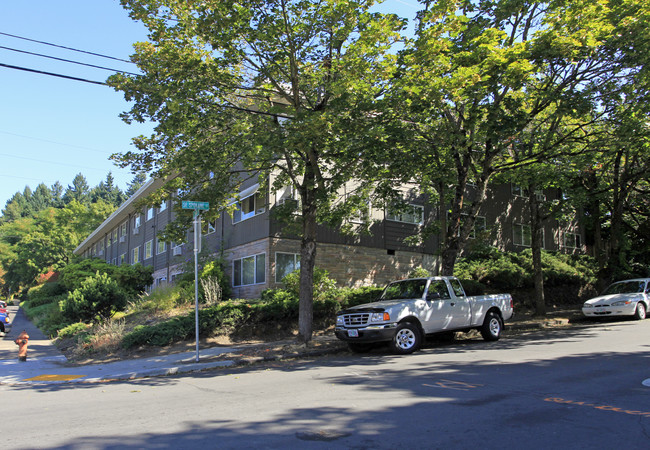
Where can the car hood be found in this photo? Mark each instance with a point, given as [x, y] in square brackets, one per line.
[608, 299]
[377, 306]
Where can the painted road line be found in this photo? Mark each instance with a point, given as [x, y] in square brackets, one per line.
[54, 378]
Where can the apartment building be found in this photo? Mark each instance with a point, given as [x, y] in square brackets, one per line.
[259, 251]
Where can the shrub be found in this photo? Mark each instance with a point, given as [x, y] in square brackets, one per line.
[97, 298]
[322, 283]
[45, 292]
[419, 272]
[72, 330]
[162, 298]
[132, 279]
[215, 270]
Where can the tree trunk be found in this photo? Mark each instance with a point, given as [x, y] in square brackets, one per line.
[537, 243]
[307, 259]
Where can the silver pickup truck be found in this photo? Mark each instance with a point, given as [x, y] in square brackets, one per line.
[410, 309]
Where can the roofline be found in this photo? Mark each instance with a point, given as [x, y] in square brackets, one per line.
[115, 218]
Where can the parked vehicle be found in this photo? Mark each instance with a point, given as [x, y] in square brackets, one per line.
[410, 309]
[5, 325]
[623, 298]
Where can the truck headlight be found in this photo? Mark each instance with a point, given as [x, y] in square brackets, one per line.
[380, 317]
[339, 320]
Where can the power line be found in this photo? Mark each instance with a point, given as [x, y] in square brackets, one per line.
[66, 48]
[68, 77]
[65, 60]
[55, 142]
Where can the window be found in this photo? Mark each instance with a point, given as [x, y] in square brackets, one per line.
[123, 229]
[249, 270]
[518, 191]
[163, 206]
[161, 247]
[122, 258]
[410, 214]
[150, 213]
[148, 249]
[288, 194]
[249, 207]
[114, 261]
[137, 220]
[457, 287]
[480, 225]
[209, 227]
[109, 241]
[522, 235]
[135, 255]
[115, 235]
[572, 240]
[285, 263]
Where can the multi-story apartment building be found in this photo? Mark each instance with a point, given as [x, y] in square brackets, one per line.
[259, 252]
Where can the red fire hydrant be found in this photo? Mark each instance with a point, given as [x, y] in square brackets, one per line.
[22, 341]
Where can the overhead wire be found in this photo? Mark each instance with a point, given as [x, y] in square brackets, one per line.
[66, 48]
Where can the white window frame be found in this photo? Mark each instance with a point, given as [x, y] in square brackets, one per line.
[259, 207]
[521, 227]
[135, 255]
[472, 233]
[518, 191]
[577, 240]
[255, 259]
[123, 228]
[161, 246]
[151, 213]
[163, 206]
[148, 250]
[402, 216]
[296, 264]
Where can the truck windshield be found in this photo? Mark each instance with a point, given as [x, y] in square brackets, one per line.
[404, 290]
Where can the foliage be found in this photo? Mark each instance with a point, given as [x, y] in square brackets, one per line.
[45, 292]
[96, 299]
[162, 298]
[72, 330]
[322, 283]
[419, 272]
[508, 271]
[133, 279]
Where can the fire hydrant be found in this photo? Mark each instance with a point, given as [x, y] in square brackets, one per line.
[22, 341]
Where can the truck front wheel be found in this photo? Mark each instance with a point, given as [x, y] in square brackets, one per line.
[492, 327]
[407, 339]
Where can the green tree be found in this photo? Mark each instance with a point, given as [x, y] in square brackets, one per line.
[107, 191]
[253, 88]
[78, 191]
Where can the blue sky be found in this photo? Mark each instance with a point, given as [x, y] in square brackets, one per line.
[52, 128]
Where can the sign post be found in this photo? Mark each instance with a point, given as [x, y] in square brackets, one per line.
[197, 207]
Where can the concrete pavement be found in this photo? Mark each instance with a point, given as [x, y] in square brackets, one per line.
[47, 365]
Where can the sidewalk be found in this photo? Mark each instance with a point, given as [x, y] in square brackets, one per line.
[47, 365]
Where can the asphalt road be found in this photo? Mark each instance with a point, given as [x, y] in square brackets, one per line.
[579, 387]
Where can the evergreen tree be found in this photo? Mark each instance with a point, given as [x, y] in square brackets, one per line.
[79, 191]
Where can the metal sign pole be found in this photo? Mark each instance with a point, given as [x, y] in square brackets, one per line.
[197, 231]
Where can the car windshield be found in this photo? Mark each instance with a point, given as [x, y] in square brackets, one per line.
[625, 287]
[404, 290]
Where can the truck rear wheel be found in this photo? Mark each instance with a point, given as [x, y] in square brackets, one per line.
[407, 339]
[492, 327]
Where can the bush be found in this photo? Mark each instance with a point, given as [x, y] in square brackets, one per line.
[508, 271]
[72, 330]
[132, 279]
[162, 298]
[322, 283]
[97, 298]
[45, 292]
[419, 272]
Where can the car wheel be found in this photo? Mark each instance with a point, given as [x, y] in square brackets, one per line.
[492, 327]
[407, 338]
[639, 312]
[357, 347]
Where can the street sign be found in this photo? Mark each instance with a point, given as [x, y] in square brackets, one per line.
[202, 206]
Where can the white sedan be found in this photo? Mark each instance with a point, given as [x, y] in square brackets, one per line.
[624, 298]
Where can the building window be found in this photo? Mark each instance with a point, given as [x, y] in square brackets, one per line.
[522, 235]
[135, 255]
[148, 249]
[572, 240]
[410, 214]
[137, 220]
[480, 225]
[150, 213]
[122, 258]
[163, 206]
[518, 191]
[285, 263]
[123, 229]
[161, 247]
[209, 227]
[249, 207]
[249, 270]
